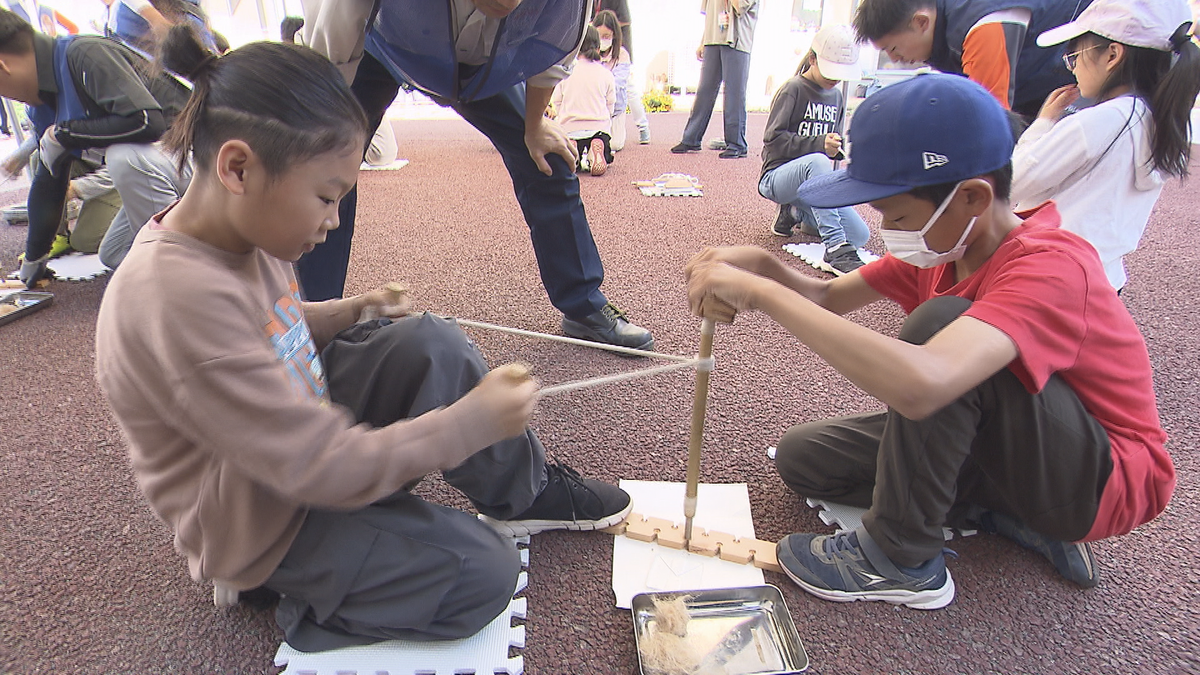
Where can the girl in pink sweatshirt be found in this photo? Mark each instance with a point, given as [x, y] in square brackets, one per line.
[584, 105]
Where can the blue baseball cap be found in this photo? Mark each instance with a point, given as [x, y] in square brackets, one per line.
[931, 129]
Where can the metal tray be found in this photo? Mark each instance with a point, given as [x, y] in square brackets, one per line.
[736, 631]
[27, 302]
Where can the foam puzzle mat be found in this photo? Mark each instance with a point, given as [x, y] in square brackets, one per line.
[485, 653]
[671, 185]
[814, 254]
[397, 164]
[75, 267]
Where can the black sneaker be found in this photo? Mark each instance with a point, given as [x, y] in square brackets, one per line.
[844, 259]
[836, 567]
[730, 153]
[784, 222]
[568, 502]
[609, 326]
[1073, 560]
[685, 148]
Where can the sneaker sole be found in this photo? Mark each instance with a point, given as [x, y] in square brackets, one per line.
[523, 528]
[777, 233]
[934, 598]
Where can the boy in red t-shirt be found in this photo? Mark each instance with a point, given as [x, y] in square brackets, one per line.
[1019, 392]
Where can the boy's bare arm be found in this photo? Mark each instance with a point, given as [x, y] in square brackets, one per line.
[841, 295]
[915, 380]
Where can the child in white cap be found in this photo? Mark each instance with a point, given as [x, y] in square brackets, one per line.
[802, 140]
[1105, 166]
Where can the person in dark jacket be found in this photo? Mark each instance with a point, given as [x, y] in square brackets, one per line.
[990, 41]
[93, 96]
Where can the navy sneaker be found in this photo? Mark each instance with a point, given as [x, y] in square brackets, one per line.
[568, 502]
[843, 258]
[1073, 560]
[835, 567]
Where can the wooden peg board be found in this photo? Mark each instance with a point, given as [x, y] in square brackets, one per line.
[704, 542]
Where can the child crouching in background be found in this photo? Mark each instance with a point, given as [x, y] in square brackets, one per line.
[584, 105]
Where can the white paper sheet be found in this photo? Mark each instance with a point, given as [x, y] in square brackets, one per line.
[639, 566]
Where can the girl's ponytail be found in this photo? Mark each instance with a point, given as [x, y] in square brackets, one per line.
[287, 102]
[1171, 105]
[181, 52]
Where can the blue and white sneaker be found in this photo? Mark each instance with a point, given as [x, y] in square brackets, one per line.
[1073, 560]
[837, 567]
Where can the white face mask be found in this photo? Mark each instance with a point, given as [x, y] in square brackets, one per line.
[605, 45]
[910, 247]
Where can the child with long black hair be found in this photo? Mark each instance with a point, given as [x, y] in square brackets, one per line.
[1105, 166]
[276, 437]
[801, 142]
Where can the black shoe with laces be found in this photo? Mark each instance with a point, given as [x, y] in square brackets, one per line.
[608, 325]
[784, 222]
[568, 502]
[730, 153]
[844, 259]
[685, 148]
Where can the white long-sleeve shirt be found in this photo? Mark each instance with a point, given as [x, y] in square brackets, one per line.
[1104, 189]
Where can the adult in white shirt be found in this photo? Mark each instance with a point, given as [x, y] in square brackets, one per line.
[1105, 166]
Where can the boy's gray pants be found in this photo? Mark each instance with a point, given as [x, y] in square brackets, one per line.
[1041, 458]
[148, 181]
[403, 568]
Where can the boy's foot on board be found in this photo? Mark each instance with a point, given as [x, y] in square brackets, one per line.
[835, 567]
[568, 502]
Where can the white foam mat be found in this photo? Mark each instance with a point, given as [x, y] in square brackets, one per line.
[397, 164]
[814, 254]
[846, 518]
[75, 267]
[485, 653]
[78, 267]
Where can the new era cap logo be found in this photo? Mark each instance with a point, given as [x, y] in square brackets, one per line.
[932, 159]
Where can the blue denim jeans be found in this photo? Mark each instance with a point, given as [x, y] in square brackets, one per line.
[836, 226]
[567, 257]
[721, 64]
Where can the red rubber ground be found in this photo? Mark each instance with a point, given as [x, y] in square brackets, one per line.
[89, 582]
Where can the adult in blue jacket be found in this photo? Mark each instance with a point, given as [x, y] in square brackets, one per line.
[495, 62]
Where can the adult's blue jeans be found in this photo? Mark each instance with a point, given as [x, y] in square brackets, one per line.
[721, 64]
[836, 226]
[567, 257]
